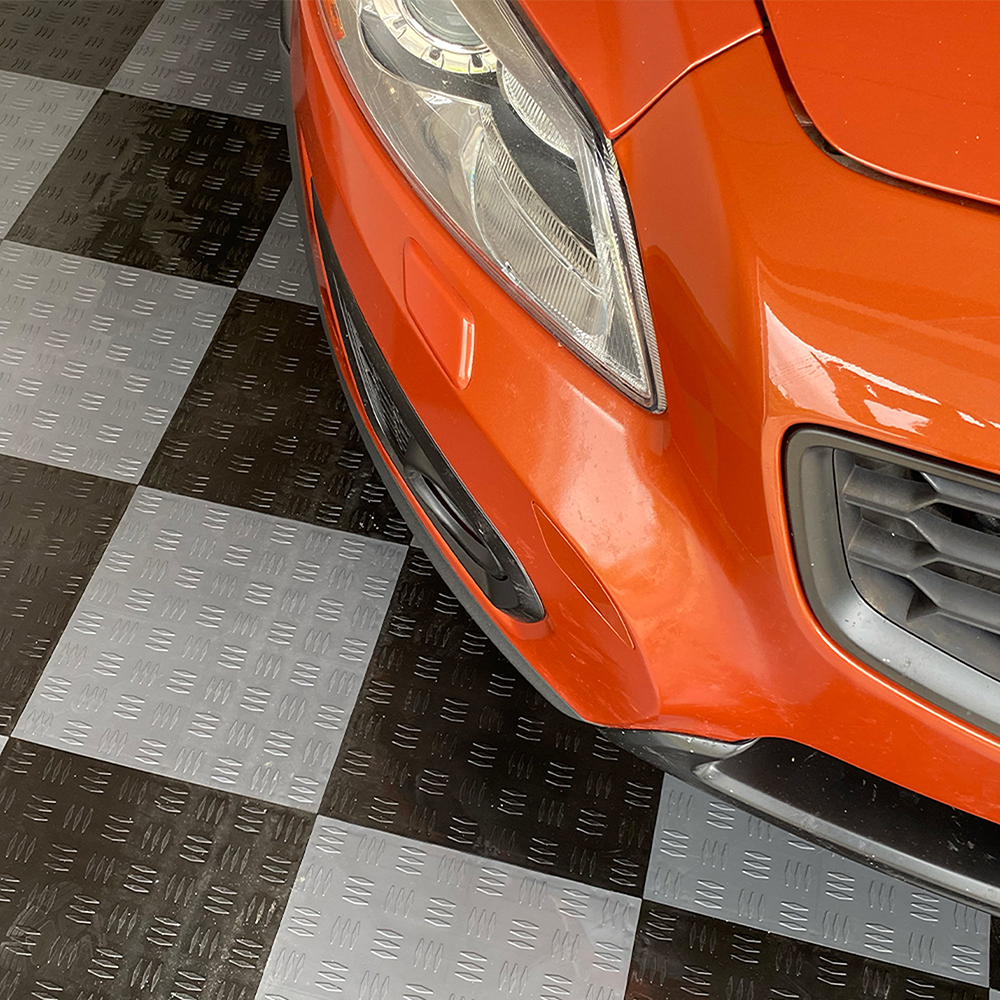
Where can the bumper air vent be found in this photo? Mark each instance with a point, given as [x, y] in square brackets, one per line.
[924, 550]
[899, 555]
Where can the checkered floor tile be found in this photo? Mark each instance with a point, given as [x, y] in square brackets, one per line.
[250, 746]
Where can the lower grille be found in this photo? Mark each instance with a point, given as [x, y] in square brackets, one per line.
[899, 555]
[924, 550]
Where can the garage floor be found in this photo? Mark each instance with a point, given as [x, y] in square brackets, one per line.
[252, 746]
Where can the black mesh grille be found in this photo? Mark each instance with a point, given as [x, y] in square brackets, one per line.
[923, 549]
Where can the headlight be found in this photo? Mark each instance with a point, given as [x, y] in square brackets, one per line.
[492, 140]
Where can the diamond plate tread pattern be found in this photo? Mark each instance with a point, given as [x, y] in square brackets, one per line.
[77, 41]
[281, 266]
[374, 915]
[712, 858]
[679, 954]
[38, 118]
[117, 885]
[217, 646]
[222, 56]
[449, 745]
[171, 189]
[54, 526]
[266, 426]
[95, 357]
[191, 668]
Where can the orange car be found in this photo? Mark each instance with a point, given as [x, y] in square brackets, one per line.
[675, 329]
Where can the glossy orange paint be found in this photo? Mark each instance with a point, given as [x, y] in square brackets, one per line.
[439, 314]
[623, 54]
[785, 289]
[910, 87]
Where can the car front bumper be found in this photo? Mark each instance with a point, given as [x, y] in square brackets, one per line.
[658, 544]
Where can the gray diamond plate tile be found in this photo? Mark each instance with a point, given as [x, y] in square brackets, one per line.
[217, 645]
[713, 858]
[37, 119]
[95, 357]
[222, 56]
[375, 915]
[281, 267]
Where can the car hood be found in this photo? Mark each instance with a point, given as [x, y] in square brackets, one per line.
[910, 88]
[624, 54]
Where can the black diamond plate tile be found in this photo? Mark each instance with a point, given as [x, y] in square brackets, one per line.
[679, 954]
[448, 744]
[153, 185]
[117, 885]
[79, 41]
[265, 425]
[54, 526]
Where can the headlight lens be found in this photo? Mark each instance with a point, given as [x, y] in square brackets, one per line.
[496, 145]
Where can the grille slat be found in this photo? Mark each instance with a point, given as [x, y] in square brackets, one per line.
[959, 601]
[877, 491]
[880, 549]
[923, 549]
[961, 545]
[971, 498]
[876, 548]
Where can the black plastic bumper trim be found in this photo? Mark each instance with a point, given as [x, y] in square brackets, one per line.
[865, 816]
[842, 807]
[285, 24]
